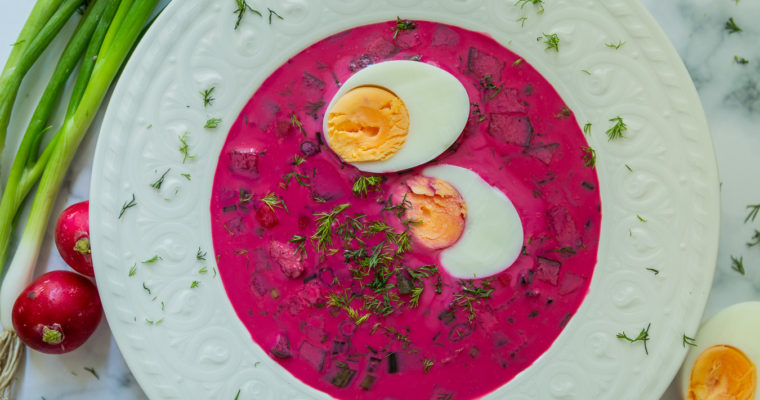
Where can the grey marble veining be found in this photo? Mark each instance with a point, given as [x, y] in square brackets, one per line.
[730, 94]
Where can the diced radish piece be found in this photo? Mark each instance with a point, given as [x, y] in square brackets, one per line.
[244, 163]
[267, 217]
[543, 152]
[281, 348]
[286, 256]
[482, 64]
[510, 129]
[311, 86]
[312, 354]
[548, 270]
[570, 283]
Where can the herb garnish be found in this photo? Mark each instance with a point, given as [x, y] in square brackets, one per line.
[92, 371]
[364, 183]
[642, 219]
[642, 337]
[242, 7]
[208, 99]
[517, 62]
[271, 13]
[400, 208]
[628, 167]
[755, 239]
[212, 123]
[551, 41]
[740, 60]
[295, 122]
[273, 202]
[194, 284]
[323, 234]
[147, 289]
[654, 271]
[487, 85]
[403, 25]
[133, 270]
[127, 205]
[301, 247]
[587, 128]
[428, 364]
[312, 108]
[160, 181]
[753, 210]
[471, 293]
[200, 255]
[153, 259]
[563, 113]
[731, 26]
[187, 176]
[615, 46]
[688, 341]
[737, 264]
[589, 156]
[184, 149]
[617, 130]
[538, 3]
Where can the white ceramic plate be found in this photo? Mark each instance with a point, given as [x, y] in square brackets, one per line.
[187, 343]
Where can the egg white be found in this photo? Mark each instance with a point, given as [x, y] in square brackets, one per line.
[437, 103]
[737, 326]
[493, 233]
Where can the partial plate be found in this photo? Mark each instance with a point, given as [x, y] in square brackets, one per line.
[187, 343]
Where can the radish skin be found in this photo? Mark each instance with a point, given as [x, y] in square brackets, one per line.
[72, 237]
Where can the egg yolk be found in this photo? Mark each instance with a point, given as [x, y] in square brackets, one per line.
[722, 372]
[367, 124]
[439, 210]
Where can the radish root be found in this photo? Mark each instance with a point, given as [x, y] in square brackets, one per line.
[11, 352]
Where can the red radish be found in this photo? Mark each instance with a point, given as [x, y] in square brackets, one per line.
[57, 312]
[72, 237]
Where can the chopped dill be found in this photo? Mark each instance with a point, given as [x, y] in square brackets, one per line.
[200, 255]
[654, 271]
[208, 98]
[642, 219]
[538, 3]
[688, 341]
[160, 181]
[642, 337]
[212, 123]
[152, 259]
[428, 364]
[127, 205]
[731, 26]
[273, 202]
[363, 184]
[617, 130]
[242, 7]
[753, 210]
[755, 239]
[323, 235]
[551, 41]
[403, 25]
[587, 128]
[194, 285]
[615, 46]
[133, 270]
[273, 13]
[741, 60]
[296, 123]
[589, 156]
[184, 149]
[487, 85]
[300, 242]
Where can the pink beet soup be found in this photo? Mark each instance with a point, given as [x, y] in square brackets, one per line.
[330, 282]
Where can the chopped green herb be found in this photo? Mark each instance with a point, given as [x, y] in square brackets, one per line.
[538, 3]
[152, 259]
[133, 270]
[237, 395]
[551, 41]
[688, 341]
[301, 245]
[615, 46]
[587, 128]
[642, 337]
[522, 20]
[208, 98]
[160, 181]
[403, 25]
[400, 208]
[194, 284]
[200, 255]
[589, 156]
[127, 205]
[242, 7]
[428, 364]
[753, 210]
[212, 123]
[737, 264]
[147, 289]
[617, 130]
[187, 176]
[298, 160]
[273, 13]
[323, 234]
[184, 149]
[92, 371]
[312, 108]
[295, 122]
[203, 270]
[740, 60]
[654, 271]
[414, 300]
[518, 62]
[363, 184]
[273, 202]
[585, 71]
[641, 218]
[487, 85]
[755, 239]
[628, 167]
[731, 26]
[563, 113]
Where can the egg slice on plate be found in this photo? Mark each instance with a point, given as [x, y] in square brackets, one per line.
[723, 364]
[396, 115]
[474, 223]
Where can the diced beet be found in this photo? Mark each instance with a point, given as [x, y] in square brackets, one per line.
[482, 64]
[367, 382]
[283, 128]
[260, 284]
[312, 86]
[548, 270]
[327, 183]
[309, 148]
[543, 152]
[507, 100]
[312, 354]
[285, 255]
[360, 62]
[570, 283]
[267, 217]
[565, 231]
[281, 348]
[443, 36]
[294, 305]
[392, 363]
[244, 163]
[314, 327]
[510, 129]
[236, 226]
[380, 48]
[310, 293]
[459, 332]
[404, 282]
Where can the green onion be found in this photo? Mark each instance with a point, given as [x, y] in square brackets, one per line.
[106, 35]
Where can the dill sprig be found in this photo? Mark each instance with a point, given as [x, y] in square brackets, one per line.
[587, 128]
[755, 239]
[323, 235]
[487, 85]
[642, 337]
[127, 205]
[551, 41]
[160, 181]
[295, 122]
[398, 209]
[242, 7]
[184, 148]
[731, 26]
[741, 60]
[273, 202]
[414, 300]
[589, 156]
[403, 25]
[753, 210]
[212, 123]
[617, 130]
[300, 242]
[273, 13]
[615, 46]
[428, 363]
[538, 3]
[688, 341]
[363, 184]
[200, 255]
[208, 98]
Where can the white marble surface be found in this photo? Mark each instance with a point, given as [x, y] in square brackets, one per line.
[730, 94]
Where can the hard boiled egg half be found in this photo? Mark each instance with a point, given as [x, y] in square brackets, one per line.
[474, 224]
[723, 363]
[396, 115]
